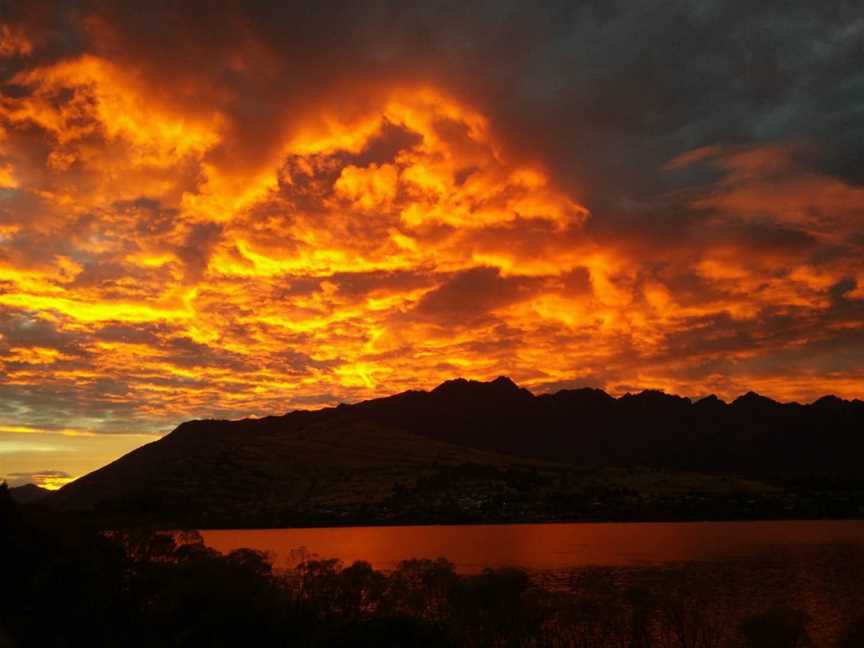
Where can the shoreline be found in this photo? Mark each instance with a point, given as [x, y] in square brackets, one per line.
[533, 523]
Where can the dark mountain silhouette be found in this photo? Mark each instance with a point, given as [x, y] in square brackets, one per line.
[306, 467]
[380, 459]
[753, 435]
[28, 493]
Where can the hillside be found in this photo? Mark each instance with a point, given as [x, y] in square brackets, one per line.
[491, 452]
[306, 467]
[28, 493]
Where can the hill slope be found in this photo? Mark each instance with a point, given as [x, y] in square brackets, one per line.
[307, 467]
[487, 452]
[28, 493]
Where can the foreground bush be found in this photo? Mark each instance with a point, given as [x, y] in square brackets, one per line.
[71, 587]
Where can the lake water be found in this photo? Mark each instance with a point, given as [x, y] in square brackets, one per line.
[543, 547]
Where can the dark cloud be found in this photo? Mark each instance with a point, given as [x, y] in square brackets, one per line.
[383, 148]
[605, 94]
[197, 247]
[363, 283]
[473, 294]
[40, 477]
[20, 330]
[576, 281]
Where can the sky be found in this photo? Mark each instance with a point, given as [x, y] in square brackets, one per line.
[225, 209]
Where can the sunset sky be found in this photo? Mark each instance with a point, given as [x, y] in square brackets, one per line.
[226, 209]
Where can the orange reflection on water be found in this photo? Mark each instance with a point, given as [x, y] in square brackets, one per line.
[541, 546]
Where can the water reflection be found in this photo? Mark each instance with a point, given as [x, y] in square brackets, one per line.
[705, 585]
[542, 547]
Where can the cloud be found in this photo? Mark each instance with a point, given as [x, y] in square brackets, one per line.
[50, 479]
[222, 210]
[474, 294]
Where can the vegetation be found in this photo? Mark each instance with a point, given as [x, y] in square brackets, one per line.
[72, 587]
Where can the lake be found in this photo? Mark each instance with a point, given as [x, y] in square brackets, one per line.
[543, 547]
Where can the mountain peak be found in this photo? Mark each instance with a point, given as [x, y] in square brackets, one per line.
[500, 384]
[504, 381]
[752, 399]
[830, 400]
[752, 396]
[28, 493]
[654, 396]
[711, 399]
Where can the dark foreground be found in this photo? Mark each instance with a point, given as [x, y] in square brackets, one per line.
[74, 587]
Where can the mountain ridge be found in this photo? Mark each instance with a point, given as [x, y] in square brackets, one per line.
[448, 412]
[379, 460]
[455, 384]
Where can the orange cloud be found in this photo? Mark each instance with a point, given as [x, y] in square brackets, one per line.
[14, 42]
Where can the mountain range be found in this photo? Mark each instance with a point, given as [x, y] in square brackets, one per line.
[753, 435]
[490, 451]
